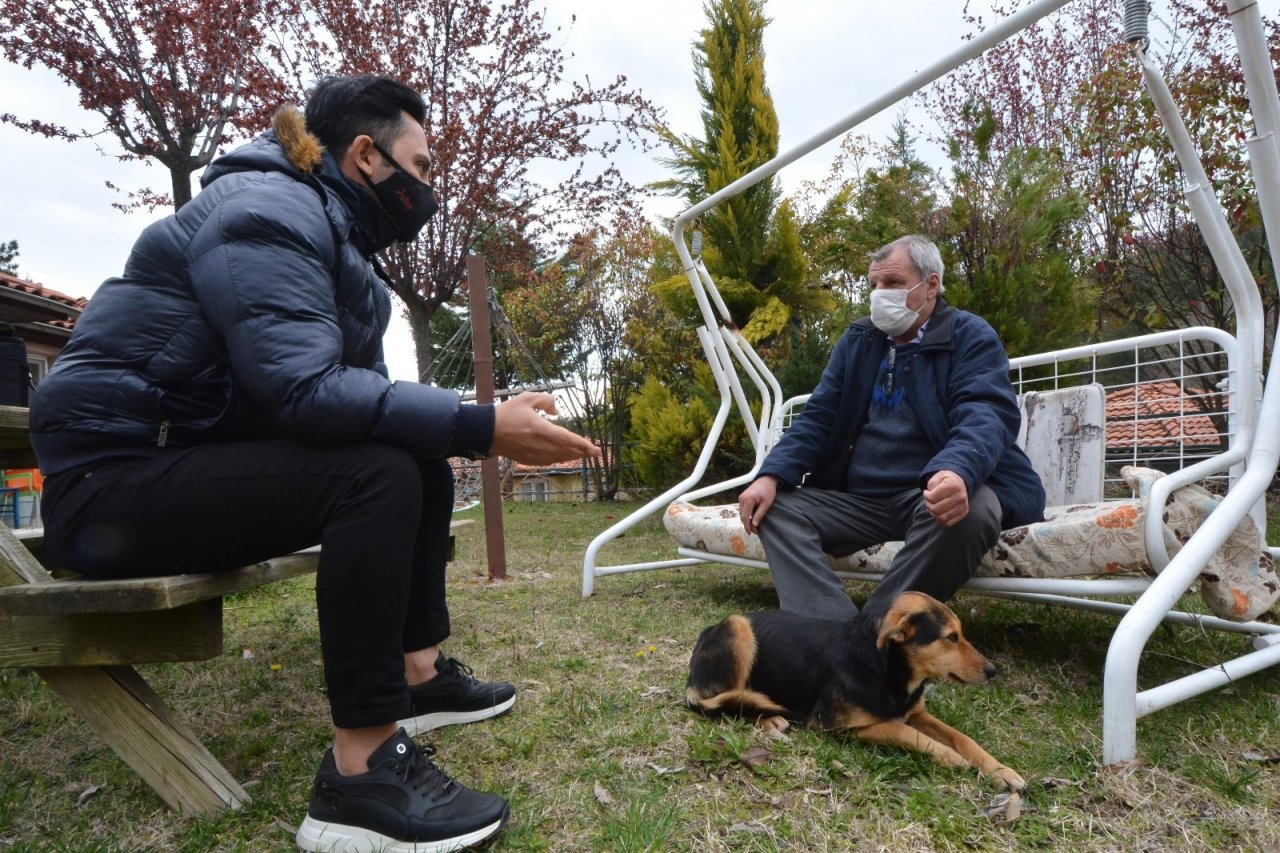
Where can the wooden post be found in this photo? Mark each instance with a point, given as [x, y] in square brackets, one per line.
[482, 351]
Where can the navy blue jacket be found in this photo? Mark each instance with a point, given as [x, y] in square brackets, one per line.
[958, 385]
[247, 314]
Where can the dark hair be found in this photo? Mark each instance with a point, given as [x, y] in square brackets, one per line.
[342, 108]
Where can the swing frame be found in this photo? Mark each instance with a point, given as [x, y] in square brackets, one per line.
[1248, 464]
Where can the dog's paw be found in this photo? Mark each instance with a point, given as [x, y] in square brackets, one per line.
[775, 725]
[1009, 780]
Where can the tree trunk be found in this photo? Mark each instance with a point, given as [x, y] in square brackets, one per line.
[181, 180]
[420, 313]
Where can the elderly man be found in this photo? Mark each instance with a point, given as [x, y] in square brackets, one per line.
[908, 436]
[224, 401]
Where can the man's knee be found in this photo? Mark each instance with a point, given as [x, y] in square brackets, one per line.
[982, 524]
[788, 509]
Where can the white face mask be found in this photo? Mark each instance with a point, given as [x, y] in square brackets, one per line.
[889, 311]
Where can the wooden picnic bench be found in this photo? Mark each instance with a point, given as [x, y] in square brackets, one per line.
[83, 637]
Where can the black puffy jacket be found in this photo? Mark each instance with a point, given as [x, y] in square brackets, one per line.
[247, 314]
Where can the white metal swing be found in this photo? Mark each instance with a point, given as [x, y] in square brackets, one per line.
[1184, 362]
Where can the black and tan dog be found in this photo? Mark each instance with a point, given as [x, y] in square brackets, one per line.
[866, 674]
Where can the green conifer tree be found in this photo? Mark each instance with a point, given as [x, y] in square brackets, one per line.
[751, 243]
[739, 133]
[9, 257]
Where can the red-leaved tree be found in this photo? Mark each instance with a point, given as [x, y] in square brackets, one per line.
[169, 79]
[1070, 88]
[519, 149]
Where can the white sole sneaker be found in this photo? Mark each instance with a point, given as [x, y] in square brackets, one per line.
[321, 837]
[417, 725]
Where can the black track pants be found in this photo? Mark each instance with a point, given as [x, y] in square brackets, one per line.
[380, 515]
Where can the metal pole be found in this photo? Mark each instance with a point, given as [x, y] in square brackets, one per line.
[482, 351]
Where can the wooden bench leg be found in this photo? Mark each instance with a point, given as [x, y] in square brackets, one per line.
[119, 705]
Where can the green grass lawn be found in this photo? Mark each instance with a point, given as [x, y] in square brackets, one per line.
[599, 753]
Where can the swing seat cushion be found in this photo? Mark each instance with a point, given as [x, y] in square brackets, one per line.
[1088, 539]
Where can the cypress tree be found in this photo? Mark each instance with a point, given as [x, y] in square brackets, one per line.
[739, 133]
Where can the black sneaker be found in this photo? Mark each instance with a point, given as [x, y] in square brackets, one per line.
[454, 696]
[403, 804]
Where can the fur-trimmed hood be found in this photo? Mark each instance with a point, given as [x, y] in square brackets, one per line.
[291, 149]
[287, 147]
[303, 150]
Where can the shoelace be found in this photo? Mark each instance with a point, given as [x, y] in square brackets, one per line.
[418, 771]
[463, 671]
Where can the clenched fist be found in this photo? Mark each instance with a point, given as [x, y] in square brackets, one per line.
[947, 498]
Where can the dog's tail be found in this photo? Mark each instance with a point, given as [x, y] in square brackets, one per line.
[743, 702]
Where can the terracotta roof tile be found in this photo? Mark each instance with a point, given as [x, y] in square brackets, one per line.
[14, 283]
[572, 466]
[1159, 414]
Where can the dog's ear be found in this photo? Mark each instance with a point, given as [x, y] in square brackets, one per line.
[897, 627]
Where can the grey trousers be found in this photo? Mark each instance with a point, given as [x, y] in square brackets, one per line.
[805, 525]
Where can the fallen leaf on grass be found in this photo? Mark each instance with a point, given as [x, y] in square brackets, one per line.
[287, 827]
[784, 802]
[756, 756]
[1032, 699]
[1121, 769]
[1052, 782]
[1258, 756]
[1005, 807]
[841, 769]
[662, 771]
[603, 797]
[86, 795]
[748, 826]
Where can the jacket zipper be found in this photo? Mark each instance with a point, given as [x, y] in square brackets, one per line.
[164, 434]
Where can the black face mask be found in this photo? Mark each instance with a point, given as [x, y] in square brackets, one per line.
[402, 206]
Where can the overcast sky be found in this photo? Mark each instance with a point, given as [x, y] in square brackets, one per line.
[823, 60]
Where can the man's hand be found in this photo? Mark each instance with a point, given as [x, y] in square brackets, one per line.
[947, 498]
[755, 501]
[520, 433]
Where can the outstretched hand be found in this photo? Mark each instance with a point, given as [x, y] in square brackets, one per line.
[521, 433]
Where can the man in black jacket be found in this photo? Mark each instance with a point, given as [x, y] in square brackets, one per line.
[224, 401]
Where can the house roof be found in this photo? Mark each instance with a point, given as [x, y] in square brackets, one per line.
[1159, 414]
[571, 466]
[27, 303]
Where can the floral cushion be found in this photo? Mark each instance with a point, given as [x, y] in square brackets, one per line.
[1101, 538]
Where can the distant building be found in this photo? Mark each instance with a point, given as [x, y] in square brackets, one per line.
[562, 481]
[42, 317]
